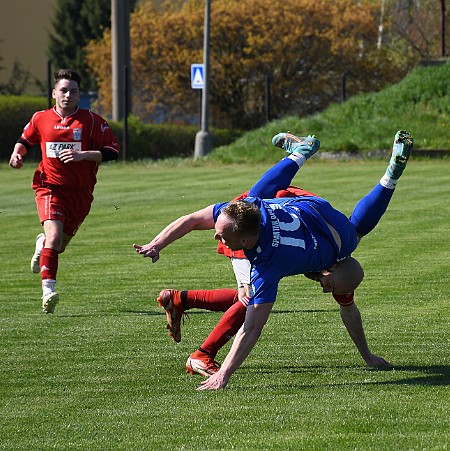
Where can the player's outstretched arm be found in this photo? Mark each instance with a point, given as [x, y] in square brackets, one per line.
[244, 342]
[198, 220]
[351, 317]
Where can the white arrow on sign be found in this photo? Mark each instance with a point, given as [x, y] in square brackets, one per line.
[197, 78]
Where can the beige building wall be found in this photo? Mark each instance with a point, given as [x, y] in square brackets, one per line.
[24, 30]
[25, 26]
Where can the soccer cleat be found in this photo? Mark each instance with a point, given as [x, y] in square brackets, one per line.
[49, 302]
[201, 363]
[304, 145]
[170, 300]
[37, 253]
[401, 150]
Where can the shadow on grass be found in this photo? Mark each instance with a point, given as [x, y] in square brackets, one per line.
[438, 375]
[427, 376]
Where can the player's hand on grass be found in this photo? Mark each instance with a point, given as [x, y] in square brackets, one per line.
[215, 382]
[378, 362]
[148, 250]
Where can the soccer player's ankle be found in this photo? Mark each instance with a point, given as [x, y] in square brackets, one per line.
[200, 352]
[298, 158]
[48, 286]
[388, 182]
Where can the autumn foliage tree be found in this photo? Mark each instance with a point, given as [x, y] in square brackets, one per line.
[303, 46]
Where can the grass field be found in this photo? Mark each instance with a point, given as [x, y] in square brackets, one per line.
[101, 373]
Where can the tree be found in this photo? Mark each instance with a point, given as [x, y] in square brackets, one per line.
[418, 22]
[76, 22]
[303, 45]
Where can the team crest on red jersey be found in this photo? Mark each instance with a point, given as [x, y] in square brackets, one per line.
[77, 134]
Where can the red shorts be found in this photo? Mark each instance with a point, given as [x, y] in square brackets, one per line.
[69, 207]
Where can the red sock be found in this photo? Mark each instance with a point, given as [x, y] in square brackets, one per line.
[226, 328]
[215, 300]
[49, 263]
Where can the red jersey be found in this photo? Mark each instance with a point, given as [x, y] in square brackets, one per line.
[291, 191]
[82, 130]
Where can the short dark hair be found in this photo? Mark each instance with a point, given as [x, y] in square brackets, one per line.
[67, 74]
[246, 217]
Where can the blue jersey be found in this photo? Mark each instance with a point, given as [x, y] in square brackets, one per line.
[294, 239]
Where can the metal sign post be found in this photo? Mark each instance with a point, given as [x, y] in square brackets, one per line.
[203, 137]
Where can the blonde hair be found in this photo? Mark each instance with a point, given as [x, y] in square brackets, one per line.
[245, 217]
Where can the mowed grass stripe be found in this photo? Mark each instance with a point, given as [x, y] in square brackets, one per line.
[102, 372]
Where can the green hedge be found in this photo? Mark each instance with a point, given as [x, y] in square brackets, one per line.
[144, 141]
[158, 142]
[15, 112]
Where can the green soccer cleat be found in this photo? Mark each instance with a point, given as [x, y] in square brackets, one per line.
[303, 145]
[401, 150]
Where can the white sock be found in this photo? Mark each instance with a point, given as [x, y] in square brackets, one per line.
[298, 158]
[48, 286]
[388, 182]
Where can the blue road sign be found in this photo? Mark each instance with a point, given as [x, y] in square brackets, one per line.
[197, 76]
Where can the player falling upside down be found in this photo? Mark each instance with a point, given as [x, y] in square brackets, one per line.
[203, 361]
[176, 302]
[282, 237]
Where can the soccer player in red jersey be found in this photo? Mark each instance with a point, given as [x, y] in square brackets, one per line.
[73, 142]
